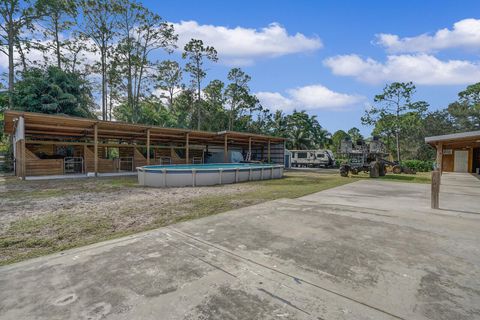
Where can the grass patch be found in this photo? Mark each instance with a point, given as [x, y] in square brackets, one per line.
[31, 237]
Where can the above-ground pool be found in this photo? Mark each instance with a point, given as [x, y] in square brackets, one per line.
[206, 174]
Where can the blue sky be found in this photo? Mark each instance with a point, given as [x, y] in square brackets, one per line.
[331, 62]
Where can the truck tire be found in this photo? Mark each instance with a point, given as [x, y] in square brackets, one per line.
[397, 169]
[374, 169]
[382, 169]
[344, 171]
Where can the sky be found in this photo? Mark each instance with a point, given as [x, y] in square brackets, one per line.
[330, 58]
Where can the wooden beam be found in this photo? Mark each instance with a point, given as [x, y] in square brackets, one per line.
[440, 157]
[187, 147]
[225, 149]
[148, 146]
[268, 152]
[24, 158]
[95, 148]
[85, 147]
[435, 197]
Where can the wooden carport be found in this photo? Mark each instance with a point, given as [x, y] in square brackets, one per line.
[458, 152]
[36, 137]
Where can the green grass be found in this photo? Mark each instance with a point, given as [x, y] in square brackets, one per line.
[35, 236]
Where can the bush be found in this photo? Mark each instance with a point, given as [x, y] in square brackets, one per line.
[418, 165]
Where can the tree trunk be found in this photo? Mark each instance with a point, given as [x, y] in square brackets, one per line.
[11, 65]
[104, 93]
[198, 98]
[397, 138]
[22, 55]
[57, 43]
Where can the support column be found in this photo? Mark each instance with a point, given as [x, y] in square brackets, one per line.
[268, 151]
[95, 148]
[85, 158]
[440, 157]
[187, 148]
[24, 158]
[435, 195]
[250, 147]
[225, 149]
[148, 146]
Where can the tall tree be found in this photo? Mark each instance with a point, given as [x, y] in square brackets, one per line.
[355, 134]
[466, 110]
[142, 32]
[59, 17]
[215, 106]
[169, 79]
[15, 17]
[100, 18]
[196, 53]
[392, 109]
[238, 94]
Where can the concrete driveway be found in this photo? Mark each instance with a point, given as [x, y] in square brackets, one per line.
[367, 250]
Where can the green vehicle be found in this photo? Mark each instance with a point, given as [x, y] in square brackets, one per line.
[367, 157]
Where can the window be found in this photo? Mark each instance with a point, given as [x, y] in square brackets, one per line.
[302, 155]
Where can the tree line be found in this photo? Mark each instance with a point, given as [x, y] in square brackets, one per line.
[107, 50]
[100, 58]
[403, 122]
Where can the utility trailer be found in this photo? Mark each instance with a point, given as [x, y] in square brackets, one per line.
[369, 158]
[312, 158]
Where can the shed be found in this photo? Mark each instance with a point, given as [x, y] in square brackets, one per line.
[58, 145]
[457, 152]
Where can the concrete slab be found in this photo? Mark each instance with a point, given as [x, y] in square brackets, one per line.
[324, 256]
[460, 192]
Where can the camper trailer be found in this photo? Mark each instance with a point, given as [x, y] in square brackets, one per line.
[312, 158]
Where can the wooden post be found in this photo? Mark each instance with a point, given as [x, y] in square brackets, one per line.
[24, 158]
[133, 158]
[440, 157]
[187, 147]
[250, 148]
[95, 148]
[436, 176]
[225, 150]
[85, 159]
[148, 146]
[268, 151]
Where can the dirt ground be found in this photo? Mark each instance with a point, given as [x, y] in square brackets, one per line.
[42, 217]
[111, 197]
[39, 217]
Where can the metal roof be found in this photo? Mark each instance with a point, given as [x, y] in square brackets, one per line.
[43, 126]
[462, 136]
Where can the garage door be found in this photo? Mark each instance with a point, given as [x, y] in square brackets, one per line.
[460, 162]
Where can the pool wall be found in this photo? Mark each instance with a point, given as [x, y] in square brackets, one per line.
[170, 176]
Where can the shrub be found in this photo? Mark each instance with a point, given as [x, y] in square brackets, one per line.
[418, 165]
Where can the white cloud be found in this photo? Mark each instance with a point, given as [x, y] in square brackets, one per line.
[464, 34]
[421, 69]
[242, 46]
[312, 97]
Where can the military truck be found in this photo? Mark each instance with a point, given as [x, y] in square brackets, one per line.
[369, 157]
[312, 158]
